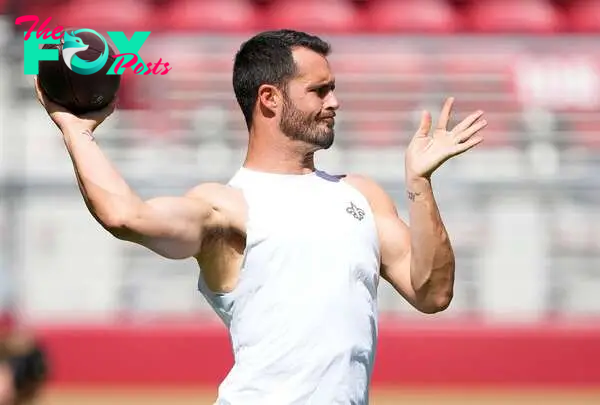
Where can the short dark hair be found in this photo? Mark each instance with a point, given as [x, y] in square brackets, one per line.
[267, 58]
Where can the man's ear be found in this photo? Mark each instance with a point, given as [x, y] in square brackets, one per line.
[269, 97]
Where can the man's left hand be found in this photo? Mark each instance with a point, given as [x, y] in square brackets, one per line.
[426, 152]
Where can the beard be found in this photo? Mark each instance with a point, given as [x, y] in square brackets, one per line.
[299, 126]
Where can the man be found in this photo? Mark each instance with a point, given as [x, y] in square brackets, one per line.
[290, 256]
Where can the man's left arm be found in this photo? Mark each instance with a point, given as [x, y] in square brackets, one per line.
[431, 259]
[417, 261]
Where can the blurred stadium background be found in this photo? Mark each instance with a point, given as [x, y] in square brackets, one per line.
[522, 210]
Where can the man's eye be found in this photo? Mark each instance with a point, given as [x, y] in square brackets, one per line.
[322, 91]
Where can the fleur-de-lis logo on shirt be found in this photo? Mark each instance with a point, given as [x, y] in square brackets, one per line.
[355, 211]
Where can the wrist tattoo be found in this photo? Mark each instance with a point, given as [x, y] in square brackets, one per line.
[412, 195]
[89, 134]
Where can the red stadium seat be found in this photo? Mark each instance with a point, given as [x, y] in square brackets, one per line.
[208, 15]
[108, 15]
[584, 16]
[513, 16]
[425, 16]
[311, 15]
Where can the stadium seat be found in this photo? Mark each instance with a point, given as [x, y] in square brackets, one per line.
[208, 16]
[423, 16]
[132, 15]
[318, 16]
[513, 16]
[583, 16]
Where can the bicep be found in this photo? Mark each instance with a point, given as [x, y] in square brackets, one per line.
[394, 237]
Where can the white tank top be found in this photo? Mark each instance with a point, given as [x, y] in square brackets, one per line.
[303, 317]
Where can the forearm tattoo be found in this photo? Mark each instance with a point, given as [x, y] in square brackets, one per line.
[412, 195]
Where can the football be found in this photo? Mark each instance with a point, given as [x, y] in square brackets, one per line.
[80, 92]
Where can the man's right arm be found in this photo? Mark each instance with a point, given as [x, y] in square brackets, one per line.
[170, 226]
[173, 227]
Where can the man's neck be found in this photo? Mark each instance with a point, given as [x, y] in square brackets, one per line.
[279, 155]
[282, 164]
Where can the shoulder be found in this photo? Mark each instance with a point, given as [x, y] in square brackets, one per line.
[377, 197]
[205, 190]
[364, 183]
[225, 201]
[214, 192]
[394, 233]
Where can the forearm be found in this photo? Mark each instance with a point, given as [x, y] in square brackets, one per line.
[432, 258]
[107, 195]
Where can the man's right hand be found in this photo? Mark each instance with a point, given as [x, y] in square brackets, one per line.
[65, 120]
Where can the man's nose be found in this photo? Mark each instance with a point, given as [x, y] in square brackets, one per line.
[331, 103]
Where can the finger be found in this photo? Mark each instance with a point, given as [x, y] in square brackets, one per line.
[45, 101]
[41, 95]
[470, 143]
[445, 114]
[36, 86]
[425, 125]
[467, 122]
[470, 131]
